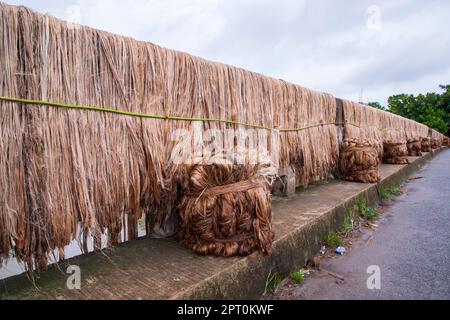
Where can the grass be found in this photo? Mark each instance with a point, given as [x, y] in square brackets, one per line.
[333, 240]
[372, 214]
[298, 277]
[347, 225]
[274, 282]
[390, 192]
[362, 206]
[395, 191]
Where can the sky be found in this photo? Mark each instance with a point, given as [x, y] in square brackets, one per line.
[354, 49]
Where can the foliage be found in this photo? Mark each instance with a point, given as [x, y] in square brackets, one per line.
[377, 105]
[362, 206]
[298, 277]
[388, 193]
[431, 109]
[371, 214]
[333, 240]
[274, 282]
[347, 226]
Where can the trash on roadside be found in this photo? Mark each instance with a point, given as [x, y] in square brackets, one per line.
[340, 250]
[323, 250]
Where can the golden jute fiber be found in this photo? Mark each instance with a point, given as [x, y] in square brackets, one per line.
[359, 161]
[70, 174]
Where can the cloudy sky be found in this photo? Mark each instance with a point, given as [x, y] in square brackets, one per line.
[347, 47]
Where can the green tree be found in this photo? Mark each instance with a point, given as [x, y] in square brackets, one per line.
[377, 105]
[431, 109]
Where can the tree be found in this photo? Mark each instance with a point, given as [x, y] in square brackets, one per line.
[377, 105]
[431, 109]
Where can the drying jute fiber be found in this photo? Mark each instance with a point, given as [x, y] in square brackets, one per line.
[359, 161]
[225, 209]
[395, 152]
[91, 126]
[77, 174]
[426, 144]
[436, 143]
[445, 142]
[415, 147]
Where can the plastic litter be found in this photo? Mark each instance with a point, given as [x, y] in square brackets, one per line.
[340, 250]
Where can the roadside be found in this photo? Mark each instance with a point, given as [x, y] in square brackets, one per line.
[410, 243]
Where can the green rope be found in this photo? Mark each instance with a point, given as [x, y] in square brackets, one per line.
[161, 117]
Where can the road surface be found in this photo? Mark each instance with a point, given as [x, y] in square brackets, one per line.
[411, 247]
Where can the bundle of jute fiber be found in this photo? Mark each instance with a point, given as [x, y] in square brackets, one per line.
[359, 161]
[395, 152]
[436, 143]
[415, 147]
[445, 142]
[426, 144]
[226, 210]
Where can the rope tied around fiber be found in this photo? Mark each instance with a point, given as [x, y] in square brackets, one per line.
[414, 147]
[359, 161]
[395, 152]
[225, 210]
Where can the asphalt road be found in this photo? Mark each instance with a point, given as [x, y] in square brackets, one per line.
[411, 247]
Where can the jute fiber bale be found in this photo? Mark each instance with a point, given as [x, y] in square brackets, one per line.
[395, 152]
[359, 161]
[426, 144]
[415, 147]
[437, 139]
[445, 142]
[436, 143]
[225, 210]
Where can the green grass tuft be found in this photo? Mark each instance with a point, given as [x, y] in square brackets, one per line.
[362, 206]
[298, 277]
[347, 225]
[333, 240]
[372, 214]
[274, 282]
[389, 192]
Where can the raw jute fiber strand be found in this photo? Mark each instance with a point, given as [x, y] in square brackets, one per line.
[426, 144]
[226, 210]
[359, 161]
[415, 147]
[395, 152]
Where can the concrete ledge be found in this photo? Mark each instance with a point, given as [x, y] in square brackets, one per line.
[162, 269]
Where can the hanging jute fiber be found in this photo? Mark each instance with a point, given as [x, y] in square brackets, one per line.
[226, 210]
[426, 144]
[67, 171]
[436, 143]
[88, 122]
[415, 147]
[445, 142]
[359, 161]
[395, 152]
